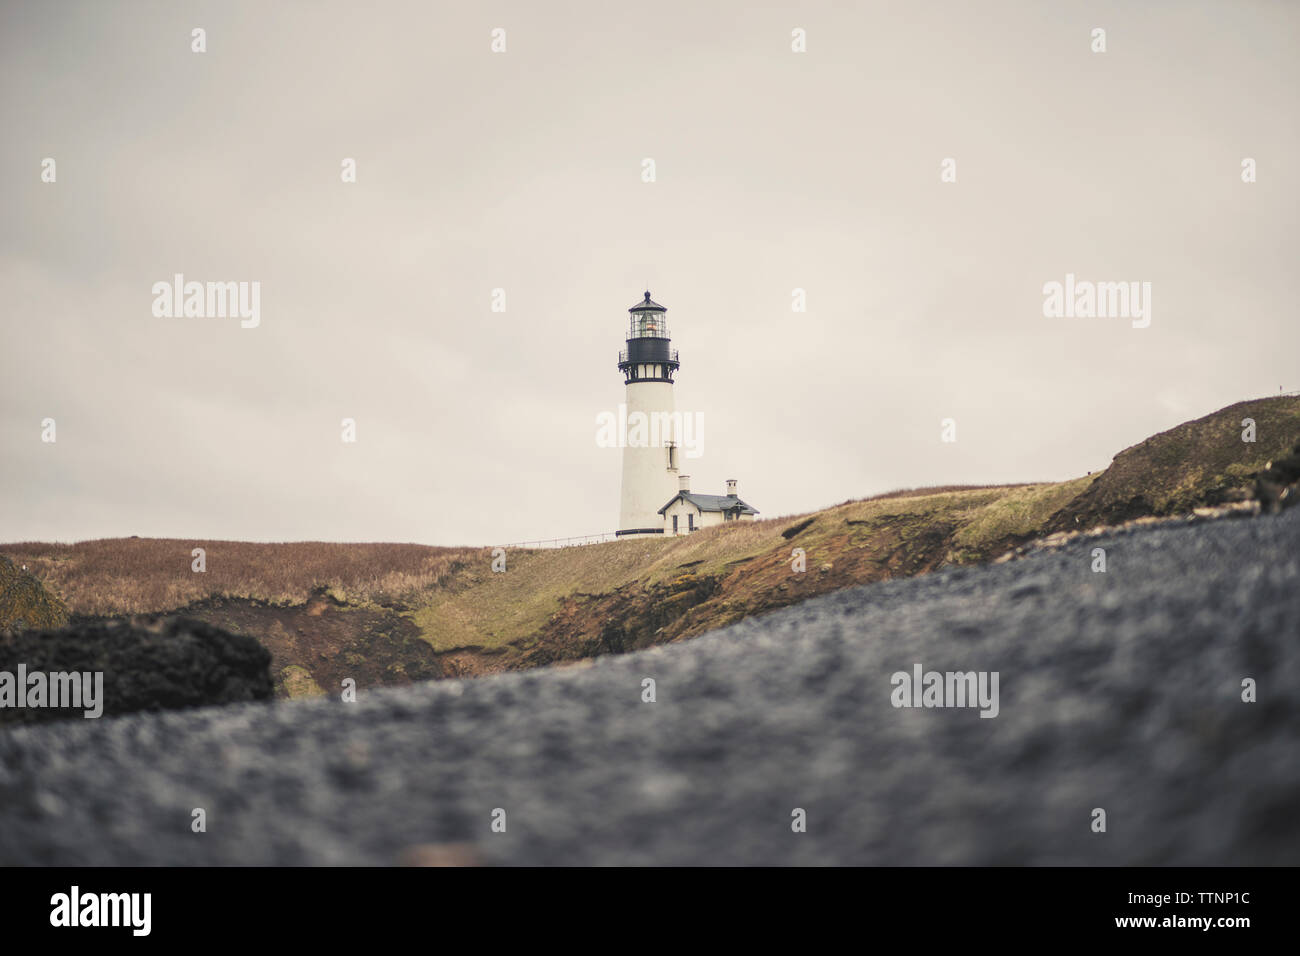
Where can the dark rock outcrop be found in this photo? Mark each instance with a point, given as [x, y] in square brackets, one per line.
[174, 664]
[1278, 485]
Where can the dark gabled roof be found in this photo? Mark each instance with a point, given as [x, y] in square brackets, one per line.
[647, 305]
[711, 503]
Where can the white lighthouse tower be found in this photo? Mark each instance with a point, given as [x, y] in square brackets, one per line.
[650, 462]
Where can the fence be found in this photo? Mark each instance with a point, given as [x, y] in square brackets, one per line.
[564, 542]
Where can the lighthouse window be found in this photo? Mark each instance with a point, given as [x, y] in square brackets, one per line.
[647, 326]
[674, 524]
[690, 522]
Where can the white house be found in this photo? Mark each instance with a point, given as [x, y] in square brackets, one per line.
[688, 511]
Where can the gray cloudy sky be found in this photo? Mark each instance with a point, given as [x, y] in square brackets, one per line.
[522, 171]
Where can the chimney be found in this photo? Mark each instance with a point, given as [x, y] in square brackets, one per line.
[731, 487]
[684, 483]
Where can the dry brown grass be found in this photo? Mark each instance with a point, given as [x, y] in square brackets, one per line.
[143, 575]
[940, 490]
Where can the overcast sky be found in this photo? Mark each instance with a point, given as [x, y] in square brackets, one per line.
[523, 171]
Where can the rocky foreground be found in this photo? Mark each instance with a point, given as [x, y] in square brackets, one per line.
[1119, 690]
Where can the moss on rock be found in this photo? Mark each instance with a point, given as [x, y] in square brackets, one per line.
[24, 602]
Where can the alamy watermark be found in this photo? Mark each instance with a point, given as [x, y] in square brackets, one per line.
[208, 300]
[638, 429]
[1084, 299]
[946, 689]
[58, 690]
[75, 909]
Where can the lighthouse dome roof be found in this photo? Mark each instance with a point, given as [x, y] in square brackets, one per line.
[647, 305]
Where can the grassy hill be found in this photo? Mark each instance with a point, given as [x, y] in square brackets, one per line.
[386, 613]
[1198, 463]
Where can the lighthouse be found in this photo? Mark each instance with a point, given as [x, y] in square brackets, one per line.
[650, 454]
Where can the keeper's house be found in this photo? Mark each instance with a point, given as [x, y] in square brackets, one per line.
[689, 512]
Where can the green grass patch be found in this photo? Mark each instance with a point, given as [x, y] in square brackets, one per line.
[1019, 512]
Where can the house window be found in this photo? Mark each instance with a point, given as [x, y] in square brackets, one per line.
[674, 524]
[690, 521]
